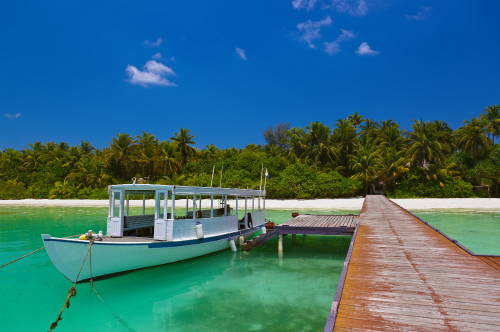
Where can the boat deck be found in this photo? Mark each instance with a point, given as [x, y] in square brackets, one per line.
[129, 239]
[402, 275]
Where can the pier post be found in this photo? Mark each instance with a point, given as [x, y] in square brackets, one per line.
[304, 238]
[143, 204]
[280, 244]
[294, 238]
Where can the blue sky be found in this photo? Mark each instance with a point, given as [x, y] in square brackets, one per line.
[226, 70]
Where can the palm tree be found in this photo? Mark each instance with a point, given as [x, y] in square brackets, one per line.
[63, 146]
[424, 144]
[438, 174]
[472, 136]
[369, 128]
[211, 152]
[97, 175]
[120, 152]
[392, 137]
[318, 133]
[355, 119]
[183, 139]
[345, 137]
[365, 165]
[64, 190]
[146, 140]
[34, 156]
[86, 148]
[167, 161]
[392, 164]
[71, 158]
[444, 132]
[492, 115]
[295, 138]
[323, 153]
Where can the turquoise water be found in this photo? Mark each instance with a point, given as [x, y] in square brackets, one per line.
[478, 231]
[224, 291]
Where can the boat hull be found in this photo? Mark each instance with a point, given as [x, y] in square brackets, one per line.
[112, 257]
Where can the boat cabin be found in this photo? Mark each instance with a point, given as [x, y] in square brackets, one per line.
[178, 210]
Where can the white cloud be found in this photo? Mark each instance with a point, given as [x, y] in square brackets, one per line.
[310, 29]
[160, 57]
[153, 74]
[153, 44]
[12, 116]
[420, 15]
[346, 35]
[308, 4]
[364, 49]
[241, 53]
[334, 47]
[353, 7]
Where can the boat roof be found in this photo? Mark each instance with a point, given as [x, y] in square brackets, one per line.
[150, 189]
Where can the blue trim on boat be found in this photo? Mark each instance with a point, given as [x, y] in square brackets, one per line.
[154, 245]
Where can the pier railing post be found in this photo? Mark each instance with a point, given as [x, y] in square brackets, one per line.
[280, 244]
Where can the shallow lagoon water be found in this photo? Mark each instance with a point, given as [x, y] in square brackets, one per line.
[224, 291]
[478, 231]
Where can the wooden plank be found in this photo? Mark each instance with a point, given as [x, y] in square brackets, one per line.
[404, 275]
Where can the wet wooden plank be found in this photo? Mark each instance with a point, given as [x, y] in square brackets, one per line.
[405, 276]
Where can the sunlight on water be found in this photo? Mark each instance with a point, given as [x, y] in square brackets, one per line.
[224, 291]
[478, 231]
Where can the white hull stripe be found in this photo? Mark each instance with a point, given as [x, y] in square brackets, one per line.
[153, 245]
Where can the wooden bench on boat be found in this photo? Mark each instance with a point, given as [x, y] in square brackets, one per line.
[138, 222]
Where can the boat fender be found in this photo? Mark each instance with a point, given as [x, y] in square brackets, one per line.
[199, 230]
[87, 235]
[242, 240]
[264, 230]
[233, 245]
[250, 224]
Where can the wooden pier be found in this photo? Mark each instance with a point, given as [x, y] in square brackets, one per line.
[403, 275]
[307, 224]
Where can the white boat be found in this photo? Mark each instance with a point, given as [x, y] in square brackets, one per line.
[138, 241]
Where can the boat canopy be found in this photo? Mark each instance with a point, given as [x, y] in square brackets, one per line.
[151, 189]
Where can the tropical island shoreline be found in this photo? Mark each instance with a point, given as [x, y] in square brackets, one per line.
[283, 204]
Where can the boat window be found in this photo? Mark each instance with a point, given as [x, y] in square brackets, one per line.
[116, 204]
[161, 210]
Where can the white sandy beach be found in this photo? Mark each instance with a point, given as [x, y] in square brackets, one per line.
[287, 204]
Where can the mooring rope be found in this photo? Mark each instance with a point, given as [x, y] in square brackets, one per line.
[72, 290]
[67, 237]
[118, 318]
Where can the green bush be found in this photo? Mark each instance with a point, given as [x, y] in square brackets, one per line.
[12, 190]
[417, 188]
[89, 193]
[299, 181]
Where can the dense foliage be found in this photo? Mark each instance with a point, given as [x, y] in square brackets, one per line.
[430, 160]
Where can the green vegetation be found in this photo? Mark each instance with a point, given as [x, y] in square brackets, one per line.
[430, 160]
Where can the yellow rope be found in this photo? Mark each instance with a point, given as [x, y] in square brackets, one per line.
[34, 252]
[72, 291]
